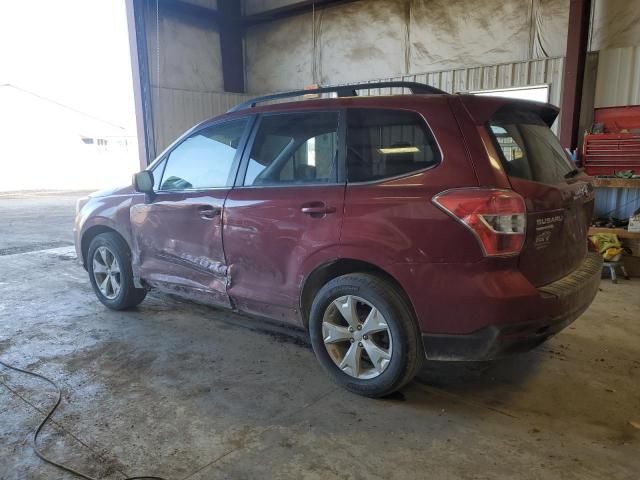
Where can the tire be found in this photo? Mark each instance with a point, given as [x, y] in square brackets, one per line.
[114, 247]
[400, 343]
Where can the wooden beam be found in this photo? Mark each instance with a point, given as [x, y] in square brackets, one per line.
[612, 182]
[297, 8]
[577, 39]
[620, 232]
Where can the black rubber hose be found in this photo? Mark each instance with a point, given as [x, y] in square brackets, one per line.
[34, 440]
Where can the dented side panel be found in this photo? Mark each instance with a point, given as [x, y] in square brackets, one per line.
[272, 245]
[177, 244]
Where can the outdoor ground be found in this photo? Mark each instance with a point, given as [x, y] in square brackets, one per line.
[184, 391]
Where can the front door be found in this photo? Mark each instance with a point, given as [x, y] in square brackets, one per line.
[285, 214]
[177, 236]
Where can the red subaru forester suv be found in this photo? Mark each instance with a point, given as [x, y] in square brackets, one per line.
[394, 228]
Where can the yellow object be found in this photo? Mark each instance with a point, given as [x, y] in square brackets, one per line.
[612, 254]
[608, 245]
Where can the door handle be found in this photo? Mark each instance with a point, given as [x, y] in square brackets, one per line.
[209, 212]
[317, 209]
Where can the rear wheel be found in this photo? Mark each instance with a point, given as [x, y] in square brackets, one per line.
[364, 334]
[109, 266]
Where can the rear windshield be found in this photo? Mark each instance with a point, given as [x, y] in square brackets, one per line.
[528, 148]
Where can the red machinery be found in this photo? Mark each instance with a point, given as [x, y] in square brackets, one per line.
[618, 147]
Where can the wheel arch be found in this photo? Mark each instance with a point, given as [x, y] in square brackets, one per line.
[336, 268]
[91, 233]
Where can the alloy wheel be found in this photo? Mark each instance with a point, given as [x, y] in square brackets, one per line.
[357, 337]
[106, 272]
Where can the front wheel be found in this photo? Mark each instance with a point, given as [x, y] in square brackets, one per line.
[364, 334]
[109, 266]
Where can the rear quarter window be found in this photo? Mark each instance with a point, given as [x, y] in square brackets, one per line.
[528, 148]
[384, 143]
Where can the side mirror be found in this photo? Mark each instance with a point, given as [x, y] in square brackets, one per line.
[143, 182]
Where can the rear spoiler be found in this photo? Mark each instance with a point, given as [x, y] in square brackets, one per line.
[482, 108]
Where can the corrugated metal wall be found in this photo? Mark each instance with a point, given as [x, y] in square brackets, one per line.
[618, 81]
[547, 71]
[505, 75]
[489, 77]
[175, 111]
[617, 202]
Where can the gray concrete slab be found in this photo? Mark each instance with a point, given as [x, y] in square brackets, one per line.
[36, 220]
[186, 391]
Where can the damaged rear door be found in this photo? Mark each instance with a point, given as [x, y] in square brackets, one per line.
[177, 235]
[285, 214]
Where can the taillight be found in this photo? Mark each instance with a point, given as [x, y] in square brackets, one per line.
[496, 217]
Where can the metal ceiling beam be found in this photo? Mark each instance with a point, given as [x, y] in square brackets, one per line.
[230, 27]
[189, 13]
[297, 8]
[577, 40]
[141, 81]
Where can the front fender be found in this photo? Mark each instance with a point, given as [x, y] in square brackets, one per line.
[104, 212]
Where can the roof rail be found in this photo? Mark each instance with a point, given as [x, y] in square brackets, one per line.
[342, 91]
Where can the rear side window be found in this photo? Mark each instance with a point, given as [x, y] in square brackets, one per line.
[527, 147]
[387, 143]
[294, 148]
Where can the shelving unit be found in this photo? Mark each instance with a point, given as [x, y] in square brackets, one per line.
[612, 182]
[600, 182]
[620, 232]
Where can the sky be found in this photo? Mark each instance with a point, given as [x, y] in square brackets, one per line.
[75, 52]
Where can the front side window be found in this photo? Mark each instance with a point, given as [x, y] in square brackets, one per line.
[528, 147]
[387, 143]
[294, 148]
[205, 159]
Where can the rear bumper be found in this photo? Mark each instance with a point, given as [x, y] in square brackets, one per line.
[565, 300]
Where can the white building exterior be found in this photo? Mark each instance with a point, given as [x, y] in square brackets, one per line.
[47, 145]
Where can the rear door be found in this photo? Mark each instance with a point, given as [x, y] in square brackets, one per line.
[285, 213]
[177, 235]
[559, 200]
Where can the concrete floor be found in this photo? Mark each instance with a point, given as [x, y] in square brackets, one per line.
[185, 391]
[21, 215]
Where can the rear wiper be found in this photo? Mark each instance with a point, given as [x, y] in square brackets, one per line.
[572, 173]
